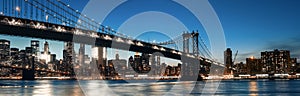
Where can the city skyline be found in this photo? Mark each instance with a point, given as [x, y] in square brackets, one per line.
[162, 47]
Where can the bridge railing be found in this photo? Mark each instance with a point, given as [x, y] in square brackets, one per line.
[55, 12]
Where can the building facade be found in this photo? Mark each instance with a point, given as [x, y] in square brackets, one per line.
[35, 45]
[277, 61]
[253, 65]
[228, 61]
[4, 49]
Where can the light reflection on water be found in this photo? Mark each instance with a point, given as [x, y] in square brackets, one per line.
[98, 88]
[253, 88]
[39, 88]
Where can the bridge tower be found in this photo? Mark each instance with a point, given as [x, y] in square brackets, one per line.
[195, 42]
[186, 38]
[190, 67]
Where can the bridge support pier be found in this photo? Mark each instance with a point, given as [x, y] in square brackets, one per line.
[28, 74]
[190, 69]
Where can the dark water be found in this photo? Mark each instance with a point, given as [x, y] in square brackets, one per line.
[98, 88]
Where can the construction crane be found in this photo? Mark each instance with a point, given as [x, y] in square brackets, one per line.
[234, 61]
[235, 56]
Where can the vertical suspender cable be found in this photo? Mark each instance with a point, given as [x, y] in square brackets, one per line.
[42, 12]
[12, 7]
[26, 8]
[31, 11]
[21, 8]
[4, 6]
[8, 8]
[56, 21]
[36, 12]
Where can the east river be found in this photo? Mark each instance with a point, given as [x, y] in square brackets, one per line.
[109, 88]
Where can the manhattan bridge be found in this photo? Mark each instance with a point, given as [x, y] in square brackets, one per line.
[56, 20]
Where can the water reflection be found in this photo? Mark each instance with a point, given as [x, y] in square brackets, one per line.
[253, 88]
[44, 88]
[40, 88]
[99, 87]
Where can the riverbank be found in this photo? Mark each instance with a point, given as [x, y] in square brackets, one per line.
[256, 76]
[224, 77]
[39, 78]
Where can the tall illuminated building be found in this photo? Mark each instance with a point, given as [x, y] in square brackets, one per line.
[228, 61]
[35, 45]
[14, 53]
[45, 55]
[68, 57]
[4, 48]
[277, 61]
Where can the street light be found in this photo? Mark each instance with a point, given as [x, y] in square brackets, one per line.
[47, 18]
[18, 9]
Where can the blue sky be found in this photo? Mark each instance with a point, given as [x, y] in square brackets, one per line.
[250, 26]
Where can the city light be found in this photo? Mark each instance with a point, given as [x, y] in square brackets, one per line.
[139, 44]
[119, 40]
[118, 37]
[155, 47]
[83, 52]
[130, 42]
[46, 17]
[107, 37]
[18, 9]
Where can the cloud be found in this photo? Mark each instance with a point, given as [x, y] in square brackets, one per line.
[292, 44]
[241, 57]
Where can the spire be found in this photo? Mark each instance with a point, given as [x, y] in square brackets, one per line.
[117, 55]
[46, 47]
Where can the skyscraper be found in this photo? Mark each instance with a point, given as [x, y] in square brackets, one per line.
[137, 62]
[68, 57]
[14, 53]
[35, 45]
[119, 64]
[46, 55]
[228, 61]
[4, 48]
[46, 47]
[145, 63]
[81, 54]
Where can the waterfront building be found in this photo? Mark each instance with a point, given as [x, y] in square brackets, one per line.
[277, 61]
[241, 68]
[4, 48]
[253, 65]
